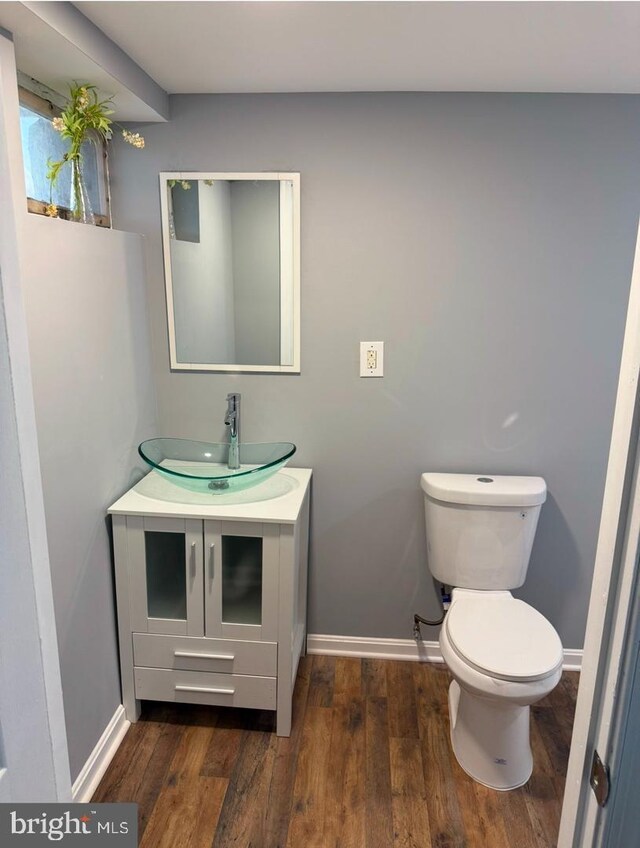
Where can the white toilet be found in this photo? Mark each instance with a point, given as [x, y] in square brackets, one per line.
[502, 653]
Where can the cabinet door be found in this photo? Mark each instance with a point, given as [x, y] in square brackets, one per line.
[165, 565]
[241, 580]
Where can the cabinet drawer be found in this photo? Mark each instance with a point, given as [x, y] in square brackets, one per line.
[193, 653]
[201, 687]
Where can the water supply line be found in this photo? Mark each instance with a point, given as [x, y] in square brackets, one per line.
[445, 601]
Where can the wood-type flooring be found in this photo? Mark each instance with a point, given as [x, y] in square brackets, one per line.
[368, 765]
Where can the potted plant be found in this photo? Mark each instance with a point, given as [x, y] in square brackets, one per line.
[86, 118]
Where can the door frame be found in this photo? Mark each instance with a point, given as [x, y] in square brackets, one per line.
[615, 573]
[618, 817]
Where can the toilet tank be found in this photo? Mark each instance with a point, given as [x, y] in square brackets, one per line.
[480, 528]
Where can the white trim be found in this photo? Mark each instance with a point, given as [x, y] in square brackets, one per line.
[227, 175]
[165, 214]
[572, 659]
[235, 368]
[287, 274]
[93, 770]
[612, 573]
[295, 178]
[367, 646]
[399, 649]
[290, 275]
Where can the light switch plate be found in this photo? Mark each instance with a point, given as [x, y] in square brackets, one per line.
[371, 359]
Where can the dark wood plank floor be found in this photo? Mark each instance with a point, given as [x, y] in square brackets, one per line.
[368, 765]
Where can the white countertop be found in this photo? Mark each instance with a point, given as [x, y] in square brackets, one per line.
[278, 500]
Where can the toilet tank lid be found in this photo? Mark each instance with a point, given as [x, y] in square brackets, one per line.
[490, 489]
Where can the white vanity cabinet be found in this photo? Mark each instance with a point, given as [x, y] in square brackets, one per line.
[211, 594]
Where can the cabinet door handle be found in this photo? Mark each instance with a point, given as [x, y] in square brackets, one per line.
[213, 690]
[212, 549]
[202, 656]
[193, 559]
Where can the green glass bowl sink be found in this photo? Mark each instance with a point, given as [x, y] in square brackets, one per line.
[202, 466]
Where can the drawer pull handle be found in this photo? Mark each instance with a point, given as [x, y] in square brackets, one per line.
[201, 656]
[212, 690]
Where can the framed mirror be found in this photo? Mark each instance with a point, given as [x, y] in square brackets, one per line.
[231, 246]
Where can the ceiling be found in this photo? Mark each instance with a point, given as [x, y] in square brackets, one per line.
[55, 44]
[198, 47]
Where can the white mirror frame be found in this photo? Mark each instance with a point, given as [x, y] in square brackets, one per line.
[289, 275]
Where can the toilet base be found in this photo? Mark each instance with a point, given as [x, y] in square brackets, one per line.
[490, 739]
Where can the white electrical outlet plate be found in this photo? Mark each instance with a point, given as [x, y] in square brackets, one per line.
[371, 359]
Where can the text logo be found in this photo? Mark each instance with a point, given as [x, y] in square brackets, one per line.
[32, 825]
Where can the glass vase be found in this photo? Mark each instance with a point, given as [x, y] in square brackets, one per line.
[79, 202]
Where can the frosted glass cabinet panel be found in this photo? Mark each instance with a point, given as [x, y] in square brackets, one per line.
[242, 586]
[241, 580]
[211, 578]
[165, 561]
[166, 576]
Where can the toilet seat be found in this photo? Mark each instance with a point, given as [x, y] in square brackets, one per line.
[503, 637]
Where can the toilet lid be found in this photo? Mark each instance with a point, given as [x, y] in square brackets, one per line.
[504, 637]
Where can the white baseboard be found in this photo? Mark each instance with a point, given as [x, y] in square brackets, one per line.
[572, 659]
[91, 774]
[367, 646]
[399, 649]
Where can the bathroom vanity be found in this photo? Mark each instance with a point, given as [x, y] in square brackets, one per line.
[212, 593]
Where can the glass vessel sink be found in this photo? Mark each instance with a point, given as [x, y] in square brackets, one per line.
[202, 466]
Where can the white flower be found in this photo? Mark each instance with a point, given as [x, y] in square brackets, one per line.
[83, 99]
[134, 139]
[58, 124]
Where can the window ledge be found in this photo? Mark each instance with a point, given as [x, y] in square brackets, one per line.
[37, 207]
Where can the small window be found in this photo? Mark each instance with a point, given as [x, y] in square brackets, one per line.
[40, 142]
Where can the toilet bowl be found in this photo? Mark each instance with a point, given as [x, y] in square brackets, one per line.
[503, 656]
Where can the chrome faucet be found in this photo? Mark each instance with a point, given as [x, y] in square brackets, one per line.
[232, 421]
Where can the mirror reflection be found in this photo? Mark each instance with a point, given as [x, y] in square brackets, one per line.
[230, 245]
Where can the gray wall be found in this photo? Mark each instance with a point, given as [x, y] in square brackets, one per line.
[95, 401]
[202, 281]
[255, 216]
[488, 240]
[34, 764]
